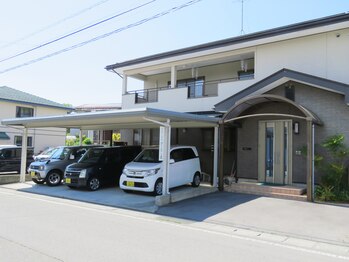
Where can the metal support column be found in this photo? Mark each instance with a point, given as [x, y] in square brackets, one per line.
[221, 157]
[164, 150]
[215, 156]
[24, 155]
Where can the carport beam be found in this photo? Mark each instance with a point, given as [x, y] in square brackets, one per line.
[24, 155]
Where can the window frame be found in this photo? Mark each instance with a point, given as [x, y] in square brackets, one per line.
[21, 114]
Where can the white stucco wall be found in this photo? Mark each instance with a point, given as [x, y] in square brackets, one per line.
[42, 137]
[323, 54]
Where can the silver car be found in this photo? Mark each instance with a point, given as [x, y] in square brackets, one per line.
[52, 170]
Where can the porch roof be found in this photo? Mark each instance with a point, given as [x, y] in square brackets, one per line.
[116, 119]
[280, 77]
[235, 112]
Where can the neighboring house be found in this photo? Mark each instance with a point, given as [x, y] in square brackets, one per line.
[15, 104]
[273, 86]
[97, 136]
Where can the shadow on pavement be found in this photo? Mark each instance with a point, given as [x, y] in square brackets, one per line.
[206, 206]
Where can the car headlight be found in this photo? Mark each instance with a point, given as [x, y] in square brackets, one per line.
[41, 168]
[82, 173]
[125, 171]
[151, 172]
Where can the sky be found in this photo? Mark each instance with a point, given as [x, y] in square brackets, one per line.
[65, 71]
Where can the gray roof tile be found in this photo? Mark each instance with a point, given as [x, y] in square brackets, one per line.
[13, 95]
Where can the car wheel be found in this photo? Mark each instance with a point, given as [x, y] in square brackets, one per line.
[93, 184]
[196, 180]
[39, 182]
[158, 187]
[53, 178]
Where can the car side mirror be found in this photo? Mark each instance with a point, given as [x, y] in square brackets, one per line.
[71, 157]
[172, 161]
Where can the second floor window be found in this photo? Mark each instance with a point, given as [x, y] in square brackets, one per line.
[24, 111]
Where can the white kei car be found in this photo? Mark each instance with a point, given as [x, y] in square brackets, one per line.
[145, 172]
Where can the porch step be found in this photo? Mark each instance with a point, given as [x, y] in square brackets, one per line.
[285, 192]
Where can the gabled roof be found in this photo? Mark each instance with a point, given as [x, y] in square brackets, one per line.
[12, 95]
[280, 77]
[320, 22]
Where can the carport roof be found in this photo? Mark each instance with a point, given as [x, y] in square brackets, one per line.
[116, 119]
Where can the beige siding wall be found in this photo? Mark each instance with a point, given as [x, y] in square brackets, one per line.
[41, 137]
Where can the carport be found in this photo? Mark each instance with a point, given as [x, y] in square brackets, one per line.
[124, 119]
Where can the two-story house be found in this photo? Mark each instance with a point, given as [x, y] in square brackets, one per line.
[278, 90]
[18, 104]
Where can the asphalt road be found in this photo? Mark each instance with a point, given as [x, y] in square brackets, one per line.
[40, 228]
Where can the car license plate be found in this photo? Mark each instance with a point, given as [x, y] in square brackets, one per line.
[32, 174]
[68, 180]
[130, 183]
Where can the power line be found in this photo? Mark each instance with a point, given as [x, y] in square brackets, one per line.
[140, 22]
[54, 24]
[77, 31]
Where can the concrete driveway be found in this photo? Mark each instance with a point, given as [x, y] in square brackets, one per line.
[312, 221]
[111, 196]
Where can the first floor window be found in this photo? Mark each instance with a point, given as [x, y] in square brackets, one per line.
[18, 141]
[24, 111]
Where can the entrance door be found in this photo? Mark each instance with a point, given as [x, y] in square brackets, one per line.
[274, 151]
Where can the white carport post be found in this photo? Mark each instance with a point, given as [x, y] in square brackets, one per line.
[165, 153]
[215, 157]
[24, 155]
[80, 137]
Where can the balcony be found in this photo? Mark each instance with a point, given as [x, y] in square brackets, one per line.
[195, 88]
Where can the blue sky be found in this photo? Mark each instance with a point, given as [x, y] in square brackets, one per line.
[78, 76]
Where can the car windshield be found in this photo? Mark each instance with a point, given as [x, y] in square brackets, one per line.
[148, 156]
[92, 156]
[61, 153]
[49, 152]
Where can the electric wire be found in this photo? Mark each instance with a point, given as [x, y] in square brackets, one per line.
[54, 24]
[77, 31]
[140, 22]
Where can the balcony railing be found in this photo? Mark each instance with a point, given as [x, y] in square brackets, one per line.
[198, 89]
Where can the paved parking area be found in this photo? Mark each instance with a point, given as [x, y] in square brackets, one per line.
[111, 196]
[305, 220]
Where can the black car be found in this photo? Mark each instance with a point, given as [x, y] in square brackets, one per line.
[10, 158]
[100, 166]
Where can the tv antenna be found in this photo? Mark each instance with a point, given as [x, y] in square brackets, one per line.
[242, 32]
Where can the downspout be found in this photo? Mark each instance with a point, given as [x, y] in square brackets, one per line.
[310, 161]
[313, 164]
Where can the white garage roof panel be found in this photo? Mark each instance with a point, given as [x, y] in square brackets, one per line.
[134, 118]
